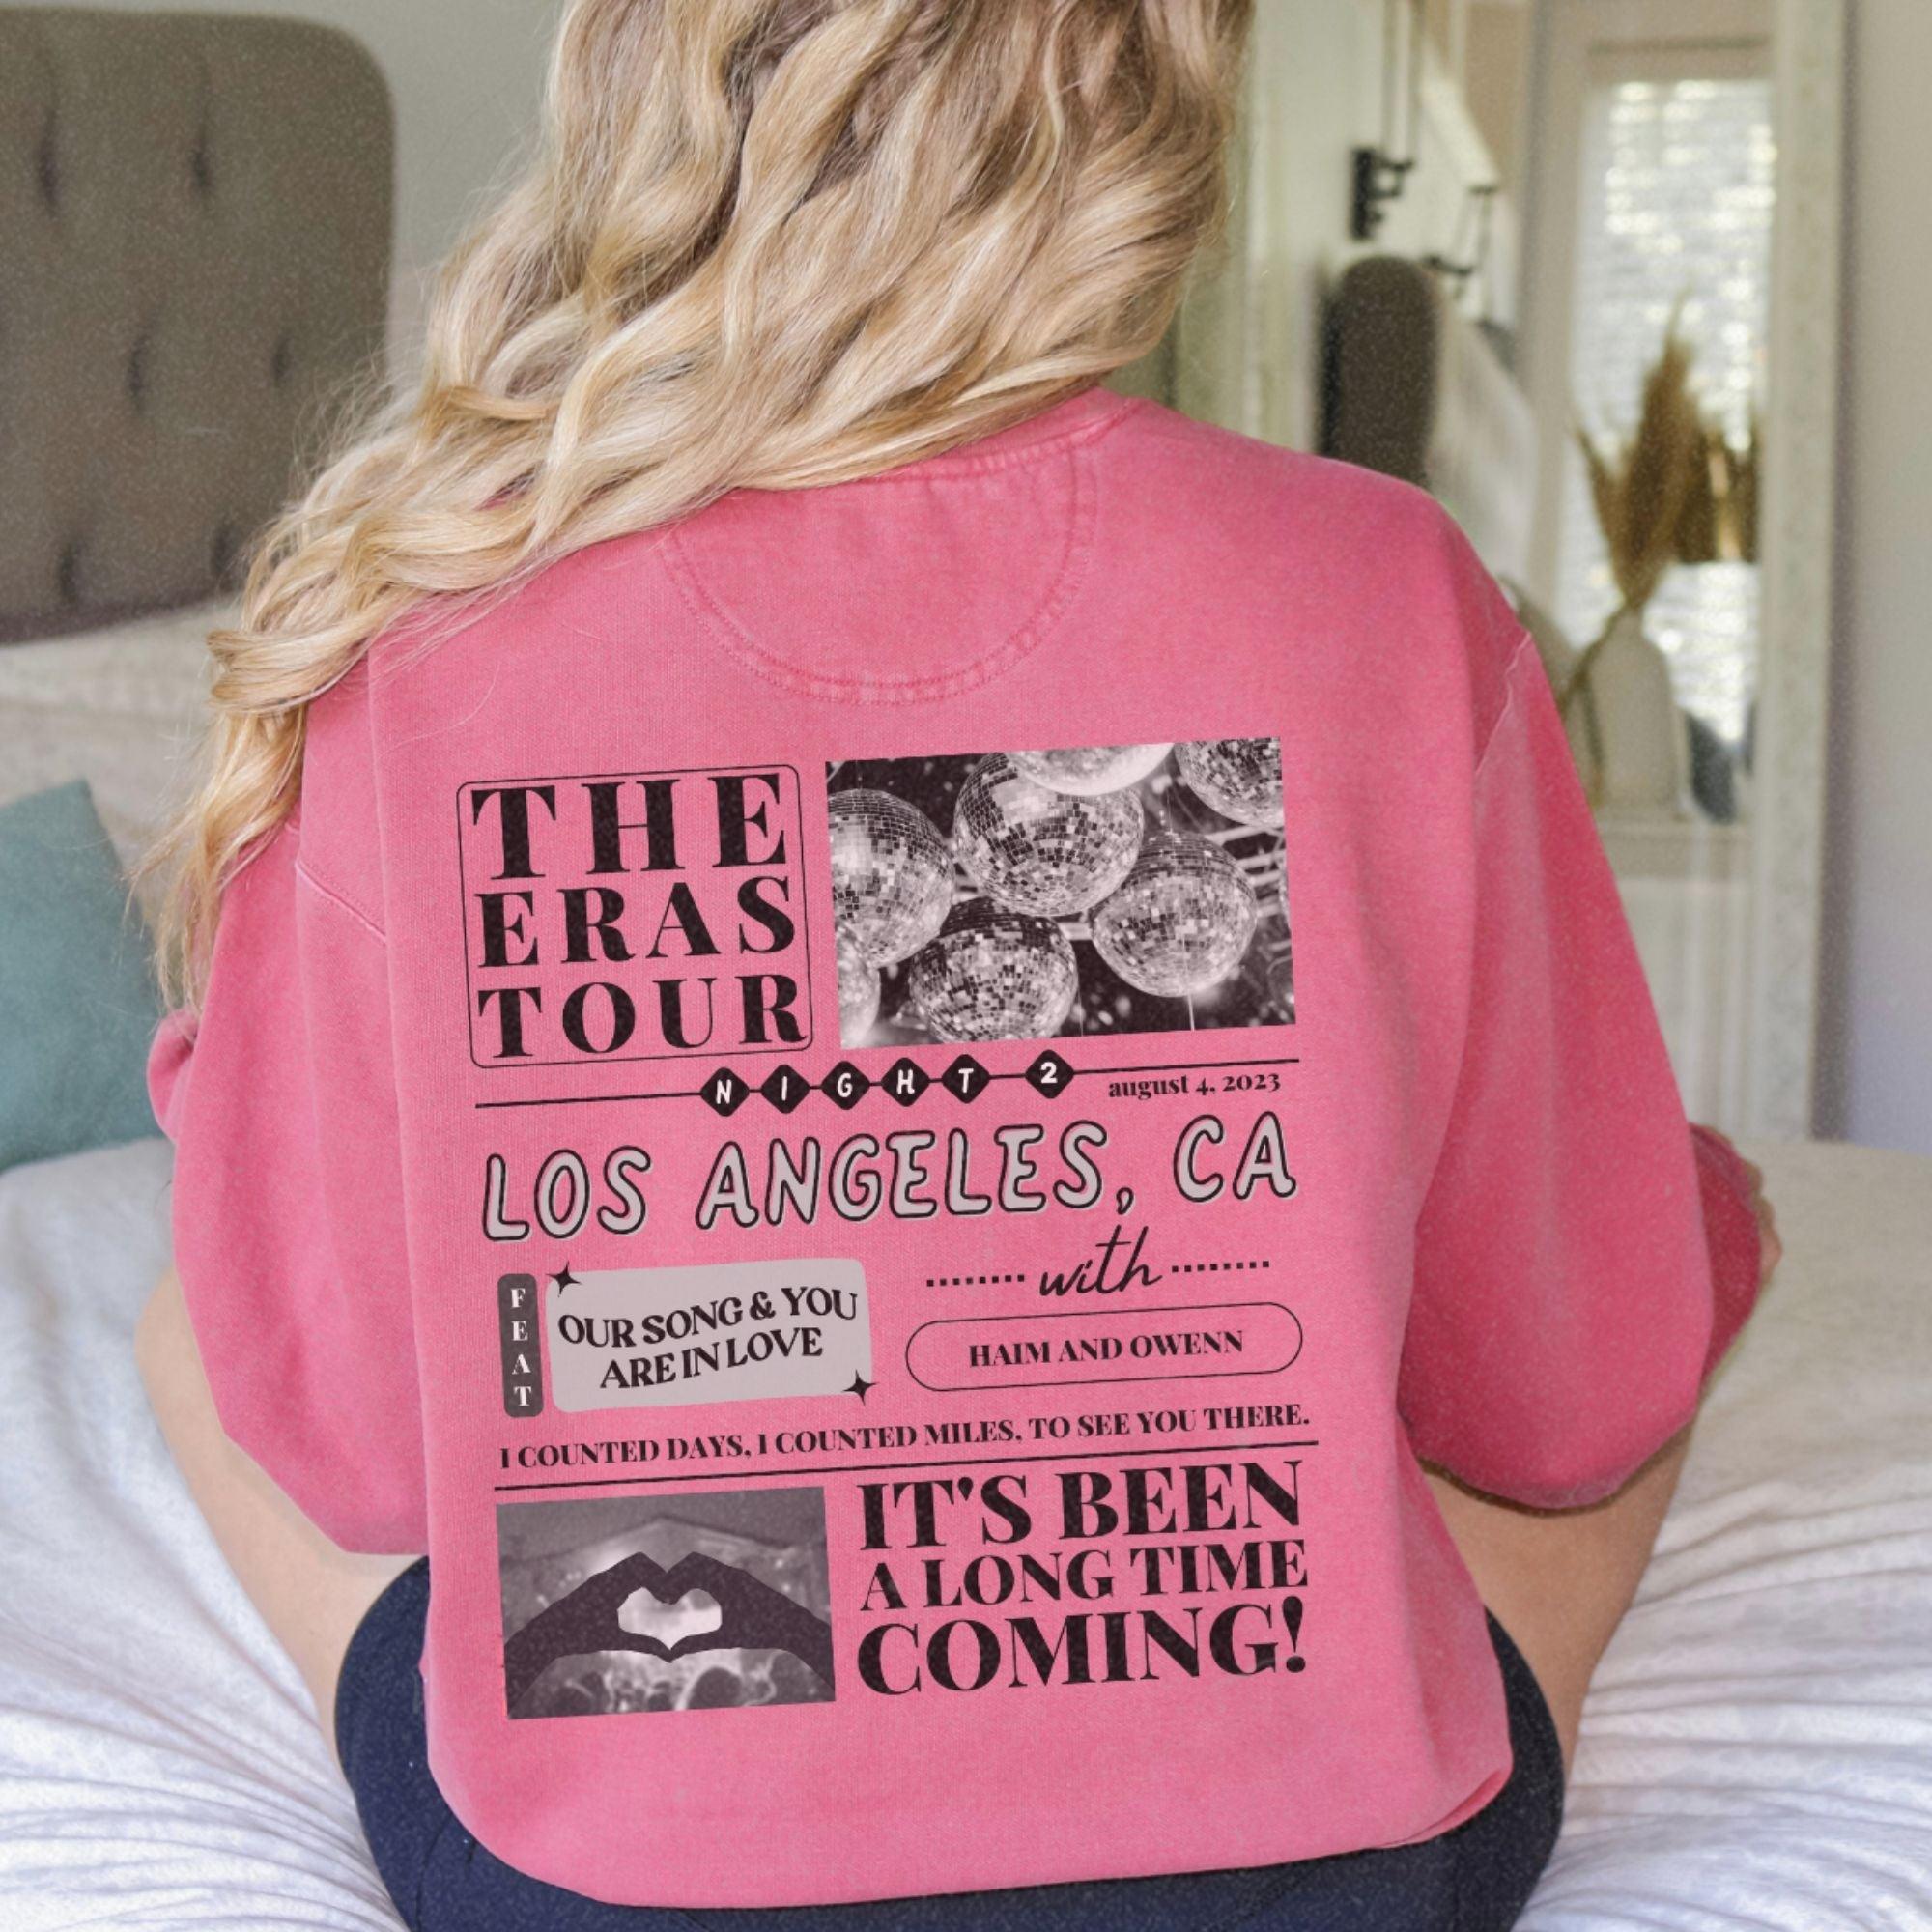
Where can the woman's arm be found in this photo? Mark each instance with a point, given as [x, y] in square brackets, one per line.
[1561, 1580]
[311, 1593]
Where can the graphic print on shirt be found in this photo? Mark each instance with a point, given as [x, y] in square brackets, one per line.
[1116, 888]
[1077, 1461]
[726, 1595]
[645, 1338]
[633, 917]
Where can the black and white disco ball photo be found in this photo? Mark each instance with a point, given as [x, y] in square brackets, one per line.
[1107, 889]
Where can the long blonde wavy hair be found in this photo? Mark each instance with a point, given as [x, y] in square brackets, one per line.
[767, 244]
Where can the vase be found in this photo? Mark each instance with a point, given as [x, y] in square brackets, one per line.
[1625, 728]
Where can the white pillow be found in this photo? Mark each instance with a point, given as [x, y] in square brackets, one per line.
[122, 708]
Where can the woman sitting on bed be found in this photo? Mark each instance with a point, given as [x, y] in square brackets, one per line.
[665, 1112]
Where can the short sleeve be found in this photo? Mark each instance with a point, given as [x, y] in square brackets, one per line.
[1563, 1302]
[288, 1206]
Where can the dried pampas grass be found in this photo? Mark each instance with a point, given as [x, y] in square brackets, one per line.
[1679, 491]
[1643, 488]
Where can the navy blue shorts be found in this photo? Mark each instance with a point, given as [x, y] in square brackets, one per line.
[1476, 1878]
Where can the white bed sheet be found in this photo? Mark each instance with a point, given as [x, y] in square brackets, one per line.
[160, 1761]
[1757, 1749]
[1758, 1752]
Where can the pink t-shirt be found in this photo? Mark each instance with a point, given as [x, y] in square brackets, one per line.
[759, 1119]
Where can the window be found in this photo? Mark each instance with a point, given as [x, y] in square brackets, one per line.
[1677, 173]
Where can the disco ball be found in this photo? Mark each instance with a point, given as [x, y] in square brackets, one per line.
[858, 990]
[1281, 985]
[1182, 920]
[1041, 851]
[994, 975]
[1240, 777]
[1090, 770]
[892, 875]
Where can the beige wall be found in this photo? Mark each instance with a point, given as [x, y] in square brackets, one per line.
[1877, 1048]
[1495, 71]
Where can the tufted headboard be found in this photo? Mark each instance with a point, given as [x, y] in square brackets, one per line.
[195, 248]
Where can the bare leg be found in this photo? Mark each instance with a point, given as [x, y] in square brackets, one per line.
[1561, 1580]
[310, 1593]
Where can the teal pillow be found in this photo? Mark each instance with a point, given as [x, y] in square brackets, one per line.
[77, 998]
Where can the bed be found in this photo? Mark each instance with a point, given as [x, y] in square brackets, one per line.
[1758, 1751]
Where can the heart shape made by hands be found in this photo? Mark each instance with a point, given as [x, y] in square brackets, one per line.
[668, 1620]
[628, 1605]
